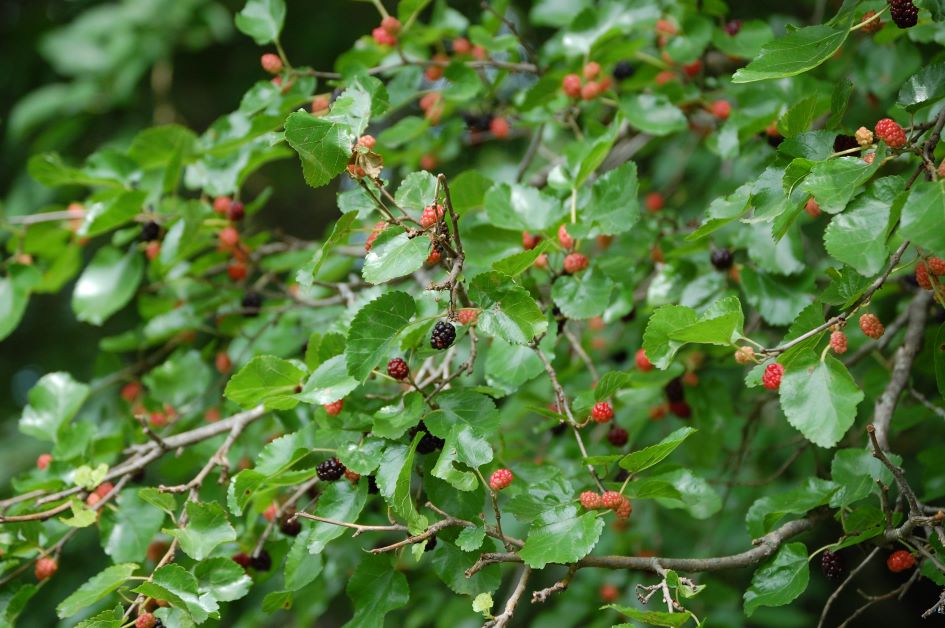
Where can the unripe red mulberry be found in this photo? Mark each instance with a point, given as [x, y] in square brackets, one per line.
[500, 479]
[871, 326]
[889, 131]
[771, 379]
[838, 342]
[643, 362]
[900, 560]
[590, 500]
[575, 263]
[602, 412]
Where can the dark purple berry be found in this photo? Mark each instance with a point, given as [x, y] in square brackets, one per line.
[443, 335]
[722, 259]
[330, 470]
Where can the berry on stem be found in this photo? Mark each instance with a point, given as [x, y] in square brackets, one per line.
[288, 524]
[571, 85]
[529, 240]
[500, 127]
[903, 13]
[146, 620]
[391, 24]
[609, 593]
[398, 369]
[330, 470]
[251, 303]
[721, 109]
[900, 560]
[812, 208]
[889, 131]
[590, 500]
[722, 259]
[228, 237]
[467, 316]
[261, 562]
[222, 362]
[271, 63]
[574, 263]
[591, 70]
[922, 276]
[611, 500]
[431, 213]
[236, 211]
[833, 565]
[745, 354]
[237, 271]
[622, 71]
[43, 461]
[45, 568]
[654, 202]
[771, 379]
[617, 436]
[566, 240]
[334, 408]
[500, 478]
[269, 514]
[871, 326]
[838, 342]
[643, 362]
[681, 409]
[602, 412]
[864, 137]
[443, 335]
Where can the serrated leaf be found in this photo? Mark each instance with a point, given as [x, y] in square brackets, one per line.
[819, 399]
[53, 401]
[128, 530]
[376, 588]
[329, 383]
[107, 284]
[763, 515]
[795, 53]
[394, 255]
[207, 527]
[508, 311]
[340, 501]
[654, 454]
[522, 208]
[324, 147]
[923, 216]
[653, 113]
[14, 296]
[561, 535]
[262, 20]
[95, 589]
[780, 580]
[266, 380]
[374, 332]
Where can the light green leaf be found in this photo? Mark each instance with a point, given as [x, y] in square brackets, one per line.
[851, 237]
[522, 208]
[14, 296]
[652, 455]
[95, 589]
[561, 535]
[340, 501]
[53, 401]
[394, 254]
[207, 527]
[797, 52]
[652, 618]
[766, 512]
[508, 311]
[267, 380]
[128, 530]
[323, 146]
[923, 216]
[329, 383]
[107, 284]
[819, 398]
[614, 206]
[653, 113]
[262, 20]
[374, 331]
[222, 579]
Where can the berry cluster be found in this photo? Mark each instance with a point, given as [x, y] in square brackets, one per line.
[431, 214]
[609, 500]
[900, 560]
[386, 33]
[602, 412]
[889, 131]
[833, 565]
[922, 269]
[771, 379]
[589, 87]
[330, 470]
[398, 369]
[500, 479]
[871, 327]
[903, 13]
[443, 335]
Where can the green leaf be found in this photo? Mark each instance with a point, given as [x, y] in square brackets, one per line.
[107, 284]
[517, 263]
[207, 527]
[267, 380]
[482, 603]
[14, 296]
[652, 455]
[329, 383]
[847, 470]
[450, 565]
[819, 398]
[766, 512]
[851, 237]
[375, 589]
[324, 147]
[925, 86]
[301, 566]
[393, 255]
[374, 331]
[512, 365]
[652, 618]
[129, 529]
[923, 216]
[13, 600]
[672, 326]
[468, 191]
[401, 498]
[178, 586]
[470, 539]
[795, 53]
[696, 496]
[262, 20]
[95, 589]
[339, 234]
[82, 515]
[780, 580]
[653, 113]
[53, 401]
[106, 619]
[561, 535]
[583, 296]
[835, 181]
[161, 501]
[666, 320]
[394, 420]
[522, 208]
[109, 210]
[181, 379]
[222, 579]
[801, 114]
[508, 311]
[614, 206]
[340, 501]
[416, 191]
[777, 299]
